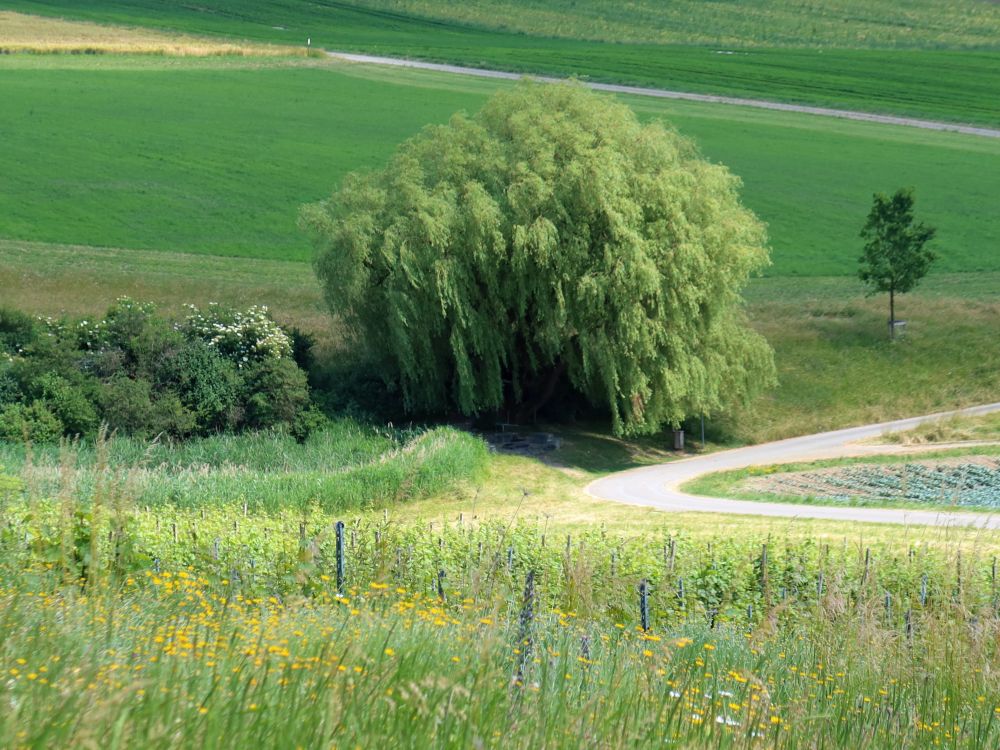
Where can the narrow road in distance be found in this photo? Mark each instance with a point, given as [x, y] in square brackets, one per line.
[667, 94]
[658, 486]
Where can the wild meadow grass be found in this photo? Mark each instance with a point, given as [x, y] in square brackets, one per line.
[251, 623]
[180, 655]
[168, 661]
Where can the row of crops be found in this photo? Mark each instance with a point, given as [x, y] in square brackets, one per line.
[592, 574]
[974, 485]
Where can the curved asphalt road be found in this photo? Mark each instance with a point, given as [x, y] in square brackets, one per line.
[665, 94]
[657, 486]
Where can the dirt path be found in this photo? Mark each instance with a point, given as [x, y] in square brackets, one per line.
[665, 94]
[658, 486]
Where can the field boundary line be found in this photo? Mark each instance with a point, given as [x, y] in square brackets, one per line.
[843, 114]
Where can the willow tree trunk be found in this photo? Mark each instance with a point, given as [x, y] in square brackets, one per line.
[541, 394]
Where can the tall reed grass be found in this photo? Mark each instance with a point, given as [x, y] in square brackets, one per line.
[346, 466]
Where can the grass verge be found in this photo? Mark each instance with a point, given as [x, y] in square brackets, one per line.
[953, 429]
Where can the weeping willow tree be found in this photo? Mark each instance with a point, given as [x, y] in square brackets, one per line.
[551, 238]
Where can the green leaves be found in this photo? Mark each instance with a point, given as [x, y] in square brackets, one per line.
[895, 256]
[552, 236]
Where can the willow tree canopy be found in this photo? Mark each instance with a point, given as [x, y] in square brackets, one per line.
[550, 236]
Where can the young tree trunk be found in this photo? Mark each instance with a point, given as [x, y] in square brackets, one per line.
[892, 313]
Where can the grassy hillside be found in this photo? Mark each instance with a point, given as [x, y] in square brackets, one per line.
[946, 71]
[216, 156]
[838, 368]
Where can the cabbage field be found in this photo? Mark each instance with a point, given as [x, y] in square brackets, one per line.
[967, 483]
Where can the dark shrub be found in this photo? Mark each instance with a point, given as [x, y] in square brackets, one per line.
[69, 403]
[306, 422]
[208, 385]
[34, 422]
[278, 392]
[149, 351]
[350, 384]
[10, 389]
[124, 321]
[54, 353]
[17, 330]
[146, 375]
[128, 407]
[302, 348]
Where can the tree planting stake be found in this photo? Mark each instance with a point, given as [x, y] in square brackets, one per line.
[339, 531]
[644, 604]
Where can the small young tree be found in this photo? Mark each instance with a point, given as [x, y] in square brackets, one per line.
[896, 257]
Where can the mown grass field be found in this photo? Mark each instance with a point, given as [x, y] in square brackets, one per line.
[921, 24]
[932, 75]
[216, 156]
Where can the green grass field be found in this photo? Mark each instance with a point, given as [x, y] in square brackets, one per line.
[942, 67]
[837, 23]
[216, 156]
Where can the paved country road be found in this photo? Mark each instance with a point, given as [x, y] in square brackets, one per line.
[665, 94]
[657, 486]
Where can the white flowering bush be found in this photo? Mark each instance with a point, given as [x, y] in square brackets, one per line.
[240, 336]
[124, 318]
[144, 374]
